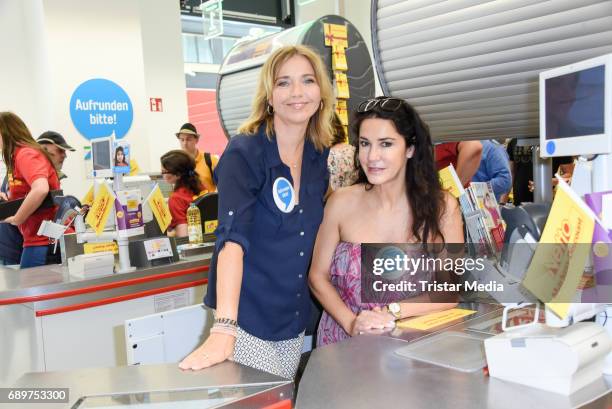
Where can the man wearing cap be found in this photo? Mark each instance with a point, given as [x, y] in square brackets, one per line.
[188, 136]
[56, 147]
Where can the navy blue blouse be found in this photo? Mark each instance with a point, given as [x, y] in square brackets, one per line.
[274, 297]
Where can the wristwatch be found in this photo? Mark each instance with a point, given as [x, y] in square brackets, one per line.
[395, 309]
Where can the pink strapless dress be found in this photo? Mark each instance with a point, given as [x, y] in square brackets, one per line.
[345, 274]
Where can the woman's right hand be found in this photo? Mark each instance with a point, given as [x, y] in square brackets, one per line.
[372, 320]
[216, 349]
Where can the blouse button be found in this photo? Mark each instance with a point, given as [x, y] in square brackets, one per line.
[301, 254]
[301, 210]
[231, 213]
[299, 276]
[301, 233]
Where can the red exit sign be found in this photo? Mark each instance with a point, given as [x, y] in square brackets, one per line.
[156, 104]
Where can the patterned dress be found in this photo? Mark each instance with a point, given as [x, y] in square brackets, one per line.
[341, 165]
[345, 272]
[346, 277]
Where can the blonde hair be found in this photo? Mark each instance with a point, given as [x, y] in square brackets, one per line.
[320, 129]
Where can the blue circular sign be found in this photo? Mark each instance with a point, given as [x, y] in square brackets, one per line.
[550, 147]
[99, 107]
[283, 194]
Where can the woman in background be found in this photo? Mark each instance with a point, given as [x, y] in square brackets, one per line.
[31, 175]
[397, 199]
[178, 169]
[341, 162]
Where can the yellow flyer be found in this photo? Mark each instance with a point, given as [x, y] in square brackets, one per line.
[338, 35]
[100, 247]
[335, 34]
[160, 208]
[339, 59]
[342, 112]
[557, 266]
[450, 181]
[327, 33]
[342, 85]
[89, 197]
[210, 226]
[435, 319]
[100, 209]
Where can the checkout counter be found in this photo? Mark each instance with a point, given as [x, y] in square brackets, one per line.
[360, 372]
[228, 385]
[59, 322]
[366, 372]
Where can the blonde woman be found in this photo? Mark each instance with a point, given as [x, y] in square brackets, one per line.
[271, 181]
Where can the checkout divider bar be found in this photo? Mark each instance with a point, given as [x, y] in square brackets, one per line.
[102, 287]
[120, 298]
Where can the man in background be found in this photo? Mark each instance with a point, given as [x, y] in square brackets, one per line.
[188, 137]
[464, 155]
[56, 147]
[494, 168]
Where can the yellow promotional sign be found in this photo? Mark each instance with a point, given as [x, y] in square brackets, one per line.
[558, 264]
[100, 247]
[435, 319]
[327, 33]
[342, 85]
[342, 111]
[210, 226]
[100, 208]
[450, 181]
[336, 35]
[134, 168]
[339, 59]
[160, 208]
[89, 197]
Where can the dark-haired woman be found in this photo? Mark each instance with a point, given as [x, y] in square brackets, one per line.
[178, 169]
[397, 199]
[31, 175]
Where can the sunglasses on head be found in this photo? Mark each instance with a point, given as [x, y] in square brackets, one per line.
[384, 104]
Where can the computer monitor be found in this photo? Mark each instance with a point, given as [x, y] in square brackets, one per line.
[102, 157]
[576, 108]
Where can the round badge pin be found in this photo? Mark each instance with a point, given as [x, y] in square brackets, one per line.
[284, 195]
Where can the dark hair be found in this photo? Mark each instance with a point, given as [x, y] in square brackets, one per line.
[119, 149]
[15, 133]
[182, 165]
[423, 189]
[339, 133]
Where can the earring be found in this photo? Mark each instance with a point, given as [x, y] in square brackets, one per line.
[269, 109]
[321, 107]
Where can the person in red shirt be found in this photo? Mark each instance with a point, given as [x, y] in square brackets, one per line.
[178, 169]
[31, 175]
[465, 157]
